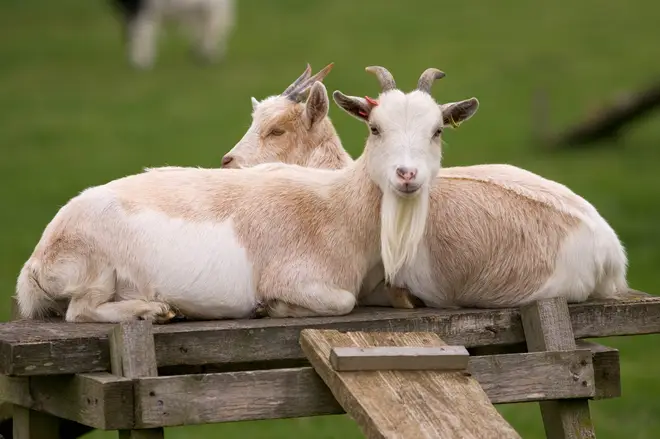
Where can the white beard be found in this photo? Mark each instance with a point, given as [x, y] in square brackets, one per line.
[403, 222]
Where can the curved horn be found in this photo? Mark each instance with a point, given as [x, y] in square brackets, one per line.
[426, 80]
[297, 82]
[301, 92]
[384, 77]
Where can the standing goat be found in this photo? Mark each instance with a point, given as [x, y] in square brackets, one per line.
[214, 243]
[209, 23]
[497, 235]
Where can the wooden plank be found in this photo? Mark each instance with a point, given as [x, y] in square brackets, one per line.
[27, 348]
[345, 359]
[607, 369]
[133, 355]
[30, 424]
[67, 429]
[547, 326]
[509, 378]
[232, 396]
[99, 400]
[405, 403]
[299, 392]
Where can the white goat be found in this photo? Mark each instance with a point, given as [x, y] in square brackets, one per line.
[209, 23]
[497, 235]
[215, 243]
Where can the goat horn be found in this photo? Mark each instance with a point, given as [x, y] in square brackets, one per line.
[384, 77]
[297, 82]
[301, 92]
[426, 80]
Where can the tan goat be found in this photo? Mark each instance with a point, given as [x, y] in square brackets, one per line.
[497, 235]
[214, 243]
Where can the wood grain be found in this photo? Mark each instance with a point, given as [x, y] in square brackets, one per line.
[31, 424]
[133, 355]
[399, 358]
[547, 326]
[47, 348]
[106, 401]
[405, 404]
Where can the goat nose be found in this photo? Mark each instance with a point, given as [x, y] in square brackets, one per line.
[227, 160]
[406, 174]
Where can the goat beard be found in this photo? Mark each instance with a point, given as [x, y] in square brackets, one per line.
[403, 223]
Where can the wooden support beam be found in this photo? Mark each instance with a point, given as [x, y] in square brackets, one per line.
[31, 424]
[547, 326]
[405, 404]
[133, 355]
[345, 359]
[49, 348]
[98, 400]
[67, 429]
[299, 392]
[106, 401]
[607, 369]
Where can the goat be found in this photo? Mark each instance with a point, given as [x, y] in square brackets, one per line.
[209, 22]
[283, 131]
[497, 236]
[215, 243]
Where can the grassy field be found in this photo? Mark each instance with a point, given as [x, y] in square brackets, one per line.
[72, 114]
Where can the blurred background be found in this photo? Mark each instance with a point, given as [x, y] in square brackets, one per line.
[74, 113]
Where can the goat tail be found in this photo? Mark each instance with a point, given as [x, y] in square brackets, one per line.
[614, 284]
[33, 301]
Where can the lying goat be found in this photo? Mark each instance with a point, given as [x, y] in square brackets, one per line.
[213, 244]
[497, 235]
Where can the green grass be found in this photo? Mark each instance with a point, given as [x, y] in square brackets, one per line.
[73, 115]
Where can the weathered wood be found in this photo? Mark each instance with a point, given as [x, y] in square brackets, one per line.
[345, 359]
[607, 369]
[99, 399]
[15, 313]
[509, 378]
[50, 348]
[404, 403]
[232, 396]
[547, 326]
[133, 355]
[299, 392]
[30, 424]
[133, 352]
[67, 429]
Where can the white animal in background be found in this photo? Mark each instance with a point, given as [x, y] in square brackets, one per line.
[208, 22]
[497, 235]
[215, 243]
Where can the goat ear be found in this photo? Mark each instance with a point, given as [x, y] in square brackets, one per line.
[356, 107]
[316, 107]
[254, 103]
[455, 113]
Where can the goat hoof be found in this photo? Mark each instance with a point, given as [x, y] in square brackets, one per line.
[260, 311]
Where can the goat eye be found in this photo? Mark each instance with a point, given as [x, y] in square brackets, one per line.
[437, 132]
[276, 132]
[374, 130]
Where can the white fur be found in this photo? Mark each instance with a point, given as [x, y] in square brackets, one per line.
[209, 23]
[213, 243]
[182, 262]
[404, 222]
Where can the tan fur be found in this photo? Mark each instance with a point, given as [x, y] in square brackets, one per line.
[474, 221]
[306, 139]
[478, 214]
[306, 218]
